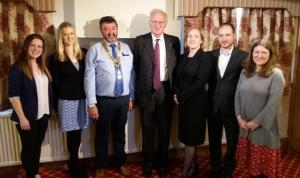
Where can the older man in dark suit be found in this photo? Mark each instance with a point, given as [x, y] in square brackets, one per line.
[228, 65]
[155, 56]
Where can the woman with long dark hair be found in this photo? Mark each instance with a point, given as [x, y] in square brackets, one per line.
[257, 102]
[30, 93]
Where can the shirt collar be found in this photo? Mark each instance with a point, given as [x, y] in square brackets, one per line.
[154, 37]
[227, 54]
[108, 43]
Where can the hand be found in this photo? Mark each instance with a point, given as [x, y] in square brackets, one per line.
[24, 124]
[130, 105]
[252, 125]
[93, 112]
[175, 99]
[242, 122]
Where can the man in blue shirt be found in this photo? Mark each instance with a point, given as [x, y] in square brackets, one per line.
[109, 88]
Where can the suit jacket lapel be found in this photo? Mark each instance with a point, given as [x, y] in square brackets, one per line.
[171, 59]
[149, 47]
[216, 55]
[72, 66]
[168, 45]
[231, 61]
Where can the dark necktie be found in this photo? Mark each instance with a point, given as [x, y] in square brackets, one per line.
[118, 73]
[156, 77]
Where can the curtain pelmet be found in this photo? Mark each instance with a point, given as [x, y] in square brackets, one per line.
[192, 7]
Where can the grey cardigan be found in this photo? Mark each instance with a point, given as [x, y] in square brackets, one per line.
[258, 99]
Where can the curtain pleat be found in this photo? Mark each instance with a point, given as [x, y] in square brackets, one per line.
[17, 20]
[273, 24]
[37, 5]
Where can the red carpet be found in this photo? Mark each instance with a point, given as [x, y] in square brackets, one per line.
[290, 168]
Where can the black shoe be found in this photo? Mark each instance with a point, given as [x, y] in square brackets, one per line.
[215, 173]
[162, 172]
[186, 176]
[147, 171]
[75, 170]
[194, 170]
[82, 173]
[228, 176]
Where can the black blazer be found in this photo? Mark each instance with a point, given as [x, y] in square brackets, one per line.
[222, 90]
[67, 80]
[190, 78]
[21, 86]
[144, 66]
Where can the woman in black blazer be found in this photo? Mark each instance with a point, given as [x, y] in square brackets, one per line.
[67, 69]
[190, 78]
[30, 94]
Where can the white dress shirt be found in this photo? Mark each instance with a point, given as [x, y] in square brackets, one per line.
[223, 61]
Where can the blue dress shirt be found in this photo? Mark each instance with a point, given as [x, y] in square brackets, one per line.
[99, 76]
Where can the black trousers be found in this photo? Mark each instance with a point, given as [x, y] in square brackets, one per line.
[31, 145]
[113, 117]
[73, 143]
[215, 127]
[156, 116]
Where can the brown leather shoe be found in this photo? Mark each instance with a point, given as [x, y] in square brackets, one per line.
[125, 172]
[99, 173]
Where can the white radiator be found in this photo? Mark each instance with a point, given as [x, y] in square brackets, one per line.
[53, 149]
[54, 146]
[10, 143]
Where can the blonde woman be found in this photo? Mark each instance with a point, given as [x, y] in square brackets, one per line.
[30, 93]
[67, 68]
[190, 78]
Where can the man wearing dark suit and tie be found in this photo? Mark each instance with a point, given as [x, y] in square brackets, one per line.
[228, 65]
[155, 56]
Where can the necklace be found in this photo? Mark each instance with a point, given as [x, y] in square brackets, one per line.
[115, 61]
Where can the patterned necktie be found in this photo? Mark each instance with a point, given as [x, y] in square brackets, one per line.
[156, 77]
[118, 73]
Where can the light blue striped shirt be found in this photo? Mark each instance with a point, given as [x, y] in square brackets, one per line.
[99, 76]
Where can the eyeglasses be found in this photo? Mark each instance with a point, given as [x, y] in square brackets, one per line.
[154, 22]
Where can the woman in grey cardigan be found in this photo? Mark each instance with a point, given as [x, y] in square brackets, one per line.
[257, 102]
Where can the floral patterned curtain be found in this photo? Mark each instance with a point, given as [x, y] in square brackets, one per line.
[274, 24]
[17, 20]
[209, 21]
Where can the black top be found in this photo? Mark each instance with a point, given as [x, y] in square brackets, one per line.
[190, 78]
[68, 82]
[19, 85]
